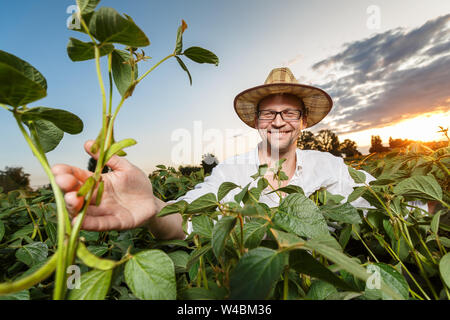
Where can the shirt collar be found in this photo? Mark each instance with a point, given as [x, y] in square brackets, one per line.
[298, 153]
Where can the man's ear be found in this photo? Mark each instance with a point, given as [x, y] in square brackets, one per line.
[304, 122]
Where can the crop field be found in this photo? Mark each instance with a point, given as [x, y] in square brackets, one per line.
[395, 251]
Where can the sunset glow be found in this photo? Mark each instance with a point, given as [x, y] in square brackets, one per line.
[422, 128]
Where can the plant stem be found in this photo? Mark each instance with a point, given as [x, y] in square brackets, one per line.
[286, 284]
[360, 238]
[34, 223]
[110, 83]
[60, 277]
[4, 107]
[425, 246]
[154, 67]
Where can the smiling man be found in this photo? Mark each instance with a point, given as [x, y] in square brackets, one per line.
[279, 109]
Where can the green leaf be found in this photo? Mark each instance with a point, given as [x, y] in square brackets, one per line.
[423, 187]
[240, 196]
[347, 264]
[21, 295]
[108, 26]
[289, 189]
[64, 120]
[300, 215]
[204, 203]
[196, 254]
[357, 192]
[343, 295]
[203, 226]
[2, 230]
[320, 290]
[262, 169]
[435, 222]
[150, 275]
[21, 82]
[78, 50]
[390, 276]
[117, 147]
[123, 73]
[341, 213]
[94, 286]
[285, 239]
[357, 176]
[201, 55]
[344, 236]
[254, 232]
[256, 273]
[179, 42]
[176, 207]
[220, 233]
[444, 269]
[302, 262]
[32, 253]
[86, 6]
[98, 250]
[180, 259]
[183, 66]
[224, 189]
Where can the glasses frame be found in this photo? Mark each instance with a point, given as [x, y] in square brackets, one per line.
[275, 113]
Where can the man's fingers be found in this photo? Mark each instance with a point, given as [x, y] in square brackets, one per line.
[67, 182]
[73, 203]
[116, 163]
[101, 223]
[60, 169]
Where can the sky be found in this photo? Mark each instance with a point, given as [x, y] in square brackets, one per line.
[384, 63]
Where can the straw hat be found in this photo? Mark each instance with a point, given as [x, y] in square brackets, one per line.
[281, 80]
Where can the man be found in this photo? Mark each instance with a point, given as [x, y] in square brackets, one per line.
[279, 110]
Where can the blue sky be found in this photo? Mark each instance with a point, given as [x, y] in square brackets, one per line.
[323, 42]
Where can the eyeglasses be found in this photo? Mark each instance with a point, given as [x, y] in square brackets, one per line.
[285, 114]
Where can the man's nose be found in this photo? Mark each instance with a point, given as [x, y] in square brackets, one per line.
[278, 121]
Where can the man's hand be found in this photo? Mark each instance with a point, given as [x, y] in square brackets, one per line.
[127, 200]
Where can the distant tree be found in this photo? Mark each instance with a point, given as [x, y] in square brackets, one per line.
[328, 141]
[376, 145]
[14, 178]
[209, 161]
[306, 141]
[398, 143]
[349, 148]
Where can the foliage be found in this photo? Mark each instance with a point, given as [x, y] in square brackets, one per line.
[316, 247]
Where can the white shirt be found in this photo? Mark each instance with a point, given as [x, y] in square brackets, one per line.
[314, 170]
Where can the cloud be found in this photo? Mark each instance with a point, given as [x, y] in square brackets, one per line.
[388, 77]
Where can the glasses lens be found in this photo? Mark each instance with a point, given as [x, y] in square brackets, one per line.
[291, 114]
[266, 115]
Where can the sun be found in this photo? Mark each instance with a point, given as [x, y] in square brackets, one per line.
[422, 128]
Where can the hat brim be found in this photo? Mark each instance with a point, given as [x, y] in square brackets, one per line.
[317, 102]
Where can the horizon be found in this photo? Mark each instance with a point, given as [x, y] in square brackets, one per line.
[385, 66]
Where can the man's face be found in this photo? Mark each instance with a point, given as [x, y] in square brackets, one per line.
[280, 134]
